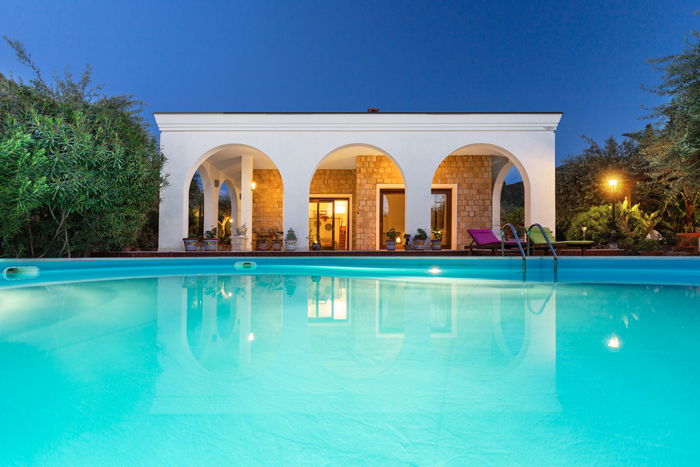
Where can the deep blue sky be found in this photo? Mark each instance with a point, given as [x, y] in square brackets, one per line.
[584, 58]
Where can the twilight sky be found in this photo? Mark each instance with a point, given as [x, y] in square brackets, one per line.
[584, 58]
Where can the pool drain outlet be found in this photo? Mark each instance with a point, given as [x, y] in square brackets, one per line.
[245, 265]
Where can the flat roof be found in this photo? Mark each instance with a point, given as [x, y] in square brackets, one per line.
[361, 113]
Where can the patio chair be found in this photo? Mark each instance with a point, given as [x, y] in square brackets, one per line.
[485, 239]
[537, 241]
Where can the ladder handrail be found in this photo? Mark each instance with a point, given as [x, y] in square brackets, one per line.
[549, 244]
[517, 239]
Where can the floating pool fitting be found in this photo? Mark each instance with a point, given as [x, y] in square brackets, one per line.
[250, 265]
[18, 273]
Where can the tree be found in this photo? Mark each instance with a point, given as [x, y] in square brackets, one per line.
[672, 143]
[81, 172]
[582, 179]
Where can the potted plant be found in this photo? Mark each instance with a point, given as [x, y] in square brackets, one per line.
[277, 238]
[290, 242]
[391, 239]
[419, 239]
[264, 241]
[436, 242]
[191, 241]
[238, 238]
[211, 240]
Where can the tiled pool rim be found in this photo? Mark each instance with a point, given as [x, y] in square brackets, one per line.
[627, 270]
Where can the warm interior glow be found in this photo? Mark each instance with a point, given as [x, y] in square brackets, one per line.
[340, 208]
[612, 182]
[253, 185]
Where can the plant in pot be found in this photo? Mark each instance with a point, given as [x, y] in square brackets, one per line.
[277, 239]
[238, 238]
[436, 242]
[290, 242]
[191, 241]
[391, 239]
[211, 240]
[419, 239]
[264, 243]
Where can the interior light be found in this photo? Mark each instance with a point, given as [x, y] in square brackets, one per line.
[614, 342]
[434, 270]
[398, 240]
[253, 185]
[340, 208]
[251, 337]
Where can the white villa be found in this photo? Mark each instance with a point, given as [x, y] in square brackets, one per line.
[343, 179]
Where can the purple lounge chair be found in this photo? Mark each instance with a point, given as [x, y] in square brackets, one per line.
[485, 239]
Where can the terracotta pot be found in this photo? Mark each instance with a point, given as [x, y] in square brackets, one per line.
[436, 244]
[390, 245]
[419, 243]
[277, 245]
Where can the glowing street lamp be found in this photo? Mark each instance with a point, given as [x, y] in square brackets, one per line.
[613, 233]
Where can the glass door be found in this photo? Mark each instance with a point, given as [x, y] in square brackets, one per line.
[329, 223]
[392, 208]
[441, 215]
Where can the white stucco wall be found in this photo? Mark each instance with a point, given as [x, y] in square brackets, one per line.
[297, 143]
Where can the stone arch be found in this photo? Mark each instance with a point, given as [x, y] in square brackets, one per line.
[357, 171]
[493, 194]
[238, 165]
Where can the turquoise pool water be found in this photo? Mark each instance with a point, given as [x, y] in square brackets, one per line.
[351, 362]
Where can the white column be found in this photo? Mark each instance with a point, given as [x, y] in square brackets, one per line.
[418, 199]
[496, 198]
[247, 197]
[173, 212]
[296, 209]
[540, 189]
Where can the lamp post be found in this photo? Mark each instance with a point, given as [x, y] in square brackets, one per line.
[613, 233]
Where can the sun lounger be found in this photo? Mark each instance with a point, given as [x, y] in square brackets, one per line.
[537, 241]
[485, 239]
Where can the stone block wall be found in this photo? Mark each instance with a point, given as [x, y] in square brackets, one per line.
[268, 199]
[371, 170]
[472, 175]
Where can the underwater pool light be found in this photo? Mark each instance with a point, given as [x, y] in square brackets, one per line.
[435, 270]
[614, 342]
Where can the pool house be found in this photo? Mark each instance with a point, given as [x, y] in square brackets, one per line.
[344, 179]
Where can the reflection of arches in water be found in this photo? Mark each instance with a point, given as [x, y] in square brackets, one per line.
[234, 323]
[363, 341]
[493, 327]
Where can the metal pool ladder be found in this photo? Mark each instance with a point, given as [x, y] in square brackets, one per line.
[520, 246]
[549, 244]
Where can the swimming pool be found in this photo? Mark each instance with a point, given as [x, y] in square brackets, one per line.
[423, 361]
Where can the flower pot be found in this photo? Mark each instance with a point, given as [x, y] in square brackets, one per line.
[436, 244]
[277, 245]
[211, 244]
[264, 245]
[290, 245]
[419, 243]
[315, 246]
[238, 243]
[190, 244]
[391, 245]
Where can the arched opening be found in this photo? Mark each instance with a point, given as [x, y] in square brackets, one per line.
[241, 197]
[195, 217]
[468, 187]
[356, 195]
[228, 214]
[512, 200]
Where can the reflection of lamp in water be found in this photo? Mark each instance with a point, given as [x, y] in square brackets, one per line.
[614, 342]
[251, 337]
